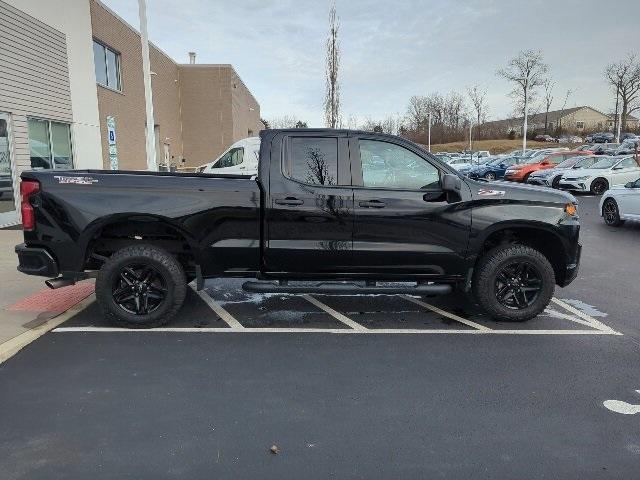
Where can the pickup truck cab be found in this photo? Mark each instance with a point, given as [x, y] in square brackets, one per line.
[371, 213]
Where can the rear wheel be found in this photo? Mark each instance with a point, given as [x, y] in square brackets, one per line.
[611, 213]
[141, 286]
[490, 176]
[599, 186]
[514, 283]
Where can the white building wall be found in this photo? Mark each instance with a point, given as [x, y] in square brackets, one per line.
[72, 18]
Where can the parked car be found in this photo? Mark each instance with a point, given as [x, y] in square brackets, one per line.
[312, 213]
[493, 170]
[241, 158]
[551, 177]
[584, 148]
[605, 173]
[521, 172]
[605, 148]
[628, 147]
[544, 138]
[627, 136]
[570, 139]
[621, 203]
[602, 137]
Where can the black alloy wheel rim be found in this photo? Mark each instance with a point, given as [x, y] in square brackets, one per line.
[610, 212]
[599, 187]
[556, 182]
[139, 289]
[518, 285]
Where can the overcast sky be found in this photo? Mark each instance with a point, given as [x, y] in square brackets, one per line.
[392, 50]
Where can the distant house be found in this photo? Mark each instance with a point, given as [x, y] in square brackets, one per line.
[572, 120]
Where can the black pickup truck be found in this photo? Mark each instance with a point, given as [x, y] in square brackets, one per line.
[330, 211]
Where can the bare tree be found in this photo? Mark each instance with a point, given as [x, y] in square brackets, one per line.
[478, 96]
[287, 121]
[527, 71]
[624, 77]
[332, 87]
[548, 85]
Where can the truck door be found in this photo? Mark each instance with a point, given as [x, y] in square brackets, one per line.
[403, 222]
[309, 208]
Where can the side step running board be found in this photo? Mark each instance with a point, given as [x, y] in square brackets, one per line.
[347, 288]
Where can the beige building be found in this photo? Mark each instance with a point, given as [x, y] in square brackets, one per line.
[72, 96]
[576, 120]
[199, 109]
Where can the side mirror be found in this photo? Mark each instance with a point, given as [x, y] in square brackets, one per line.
[451, 183]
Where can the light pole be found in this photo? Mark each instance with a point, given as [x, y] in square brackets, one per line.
[148, 95]
[526, 113]
[429, 135]
[470, 129]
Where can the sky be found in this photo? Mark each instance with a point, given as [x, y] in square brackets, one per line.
[392, 50]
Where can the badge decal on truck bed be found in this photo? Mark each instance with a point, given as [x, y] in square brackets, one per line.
[76, 180]
[491, 193]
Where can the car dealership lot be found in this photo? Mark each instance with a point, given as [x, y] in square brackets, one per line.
[349, 386]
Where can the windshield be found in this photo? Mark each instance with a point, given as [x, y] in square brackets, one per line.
[570, 162]
[605, 163]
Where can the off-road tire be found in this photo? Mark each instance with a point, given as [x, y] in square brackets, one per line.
[164, 263]
[484, 280]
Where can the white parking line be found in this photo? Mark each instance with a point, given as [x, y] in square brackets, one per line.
[330, 330]
[221, 312]
[444, 313]
[592, 321]
[335, 314]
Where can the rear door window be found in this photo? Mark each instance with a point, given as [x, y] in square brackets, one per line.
[314, 160]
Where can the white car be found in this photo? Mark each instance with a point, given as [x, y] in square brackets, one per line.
[241, 158]
[597, 179]
[621, 203]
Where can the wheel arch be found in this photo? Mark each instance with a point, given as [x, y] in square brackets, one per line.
[108, 234]
[537, 235]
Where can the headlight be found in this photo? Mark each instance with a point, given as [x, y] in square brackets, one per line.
[582, 178]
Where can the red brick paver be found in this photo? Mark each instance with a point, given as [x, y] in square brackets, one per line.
[58, 300]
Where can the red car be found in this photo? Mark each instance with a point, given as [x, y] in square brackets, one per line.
[521, 172]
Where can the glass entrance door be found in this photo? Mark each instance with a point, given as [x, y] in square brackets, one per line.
[8, 214]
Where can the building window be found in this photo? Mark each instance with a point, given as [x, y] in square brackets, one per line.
[579, 124]
[107, 66]
[50, 144]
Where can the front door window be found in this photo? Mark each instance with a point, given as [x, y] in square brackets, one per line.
[8, 213]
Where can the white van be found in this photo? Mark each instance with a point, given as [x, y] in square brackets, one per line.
[241, 158]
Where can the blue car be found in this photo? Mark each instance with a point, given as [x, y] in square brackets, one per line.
[492, 170]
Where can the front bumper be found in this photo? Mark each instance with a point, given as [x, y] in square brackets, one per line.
[578, 185]
[514, 178]
[572, 269]
[538, 181]
[36, 261]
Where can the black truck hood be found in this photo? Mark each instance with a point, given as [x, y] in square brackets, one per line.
[515, 191]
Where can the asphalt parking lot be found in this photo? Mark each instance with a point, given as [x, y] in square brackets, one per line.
[345, 386]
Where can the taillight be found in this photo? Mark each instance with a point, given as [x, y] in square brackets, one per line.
[27, 189]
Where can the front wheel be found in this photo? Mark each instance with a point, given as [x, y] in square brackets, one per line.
[555, 183]
[141, 286]
[514, 283]
[599, 186]
[611, 213]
